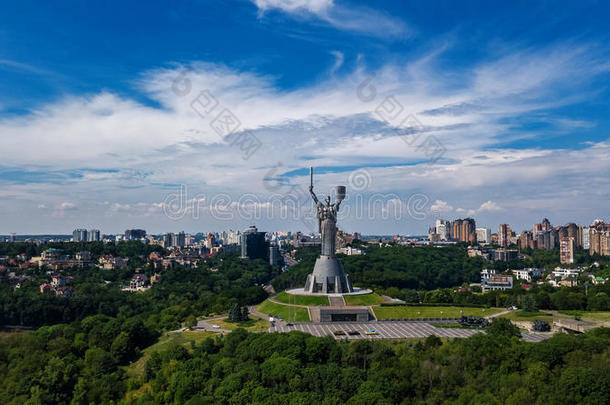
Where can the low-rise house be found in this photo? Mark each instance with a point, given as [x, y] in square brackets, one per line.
[526, 274]
[349, 251]
[109, 262]
[59, 281]
[559, 272]
[497, 282]
[139, 282]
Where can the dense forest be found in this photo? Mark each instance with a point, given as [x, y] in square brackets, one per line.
[395, 266]
[81, 364]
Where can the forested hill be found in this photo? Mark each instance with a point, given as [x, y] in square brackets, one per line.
[420, 268]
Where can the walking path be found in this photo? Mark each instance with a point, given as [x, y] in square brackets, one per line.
[272, 299]
[499, 314]
[336, 301]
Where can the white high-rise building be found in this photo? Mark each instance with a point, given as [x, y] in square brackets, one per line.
[483, 236]
[585, 239]
[443, 228]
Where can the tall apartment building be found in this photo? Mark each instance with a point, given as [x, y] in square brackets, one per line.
[253, 244]
[79, 235]
[456, 230]
[94, 235]
[566, 250]
[599, 238]
[504, 235]
[210, 241]
[483, 235]
[134, 234]
[167, 239]
[443, 229]
[179, 239]
[464, 230]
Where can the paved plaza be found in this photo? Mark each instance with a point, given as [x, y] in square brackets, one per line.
[386, 330]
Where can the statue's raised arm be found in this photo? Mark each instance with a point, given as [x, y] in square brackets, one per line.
[313, 195]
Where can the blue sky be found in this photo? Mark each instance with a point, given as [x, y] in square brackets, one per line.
[96, 131]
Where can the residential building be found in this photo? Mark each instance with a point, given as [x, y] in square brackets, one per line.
[527, 274]
[253, 244]
[497, 282]
[168, 239]
[561, 272]
[483, 236]
[486, 274]
[274, 255]
[566, 250]
[79, 235]
[135, 234]
[349, 251]
[599, 238]
[94, 235]
[464, 230]
[138, 282]
[81, 259]
[504, 235]
[178, 239]
[443, 229]
[505, 255]
[109, 262]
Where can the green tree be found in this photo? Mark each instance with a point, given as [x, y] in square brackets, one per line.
[503, 327]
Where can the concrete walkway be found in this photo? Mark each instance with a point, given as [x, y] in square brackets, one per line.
[272, 299]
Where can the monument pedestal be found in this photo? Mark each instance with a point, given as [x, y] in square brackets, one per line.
[328, 277]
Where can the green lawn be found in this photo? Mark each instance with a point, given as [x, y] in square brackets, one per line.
[405, 312]
[368, 299]
[603, 316]
[528, 316]
[289, 313]
[309, 300]
[136, 369]
[254, 324]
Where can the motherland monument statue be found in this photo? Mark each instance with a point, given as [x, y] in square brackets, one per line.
[328, 276]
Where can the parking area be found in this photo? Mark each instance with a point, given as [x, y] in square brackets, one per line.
[385, 330]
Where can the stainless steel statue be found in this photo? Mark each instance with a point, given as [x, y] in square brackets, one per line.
[328, 276]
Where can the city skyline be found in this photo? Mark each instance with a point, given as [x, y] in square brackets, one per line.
[444, 112]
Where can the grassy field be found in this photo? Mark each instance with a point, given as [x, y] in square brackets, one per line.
[528, 316]
[309, 300]
[254, 324]
[136, 369]
[405, 312]
[289, 313]
[368, 299]
[603, 316]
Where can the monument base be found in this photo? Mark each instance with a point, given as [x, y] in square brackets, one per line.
[328, 277]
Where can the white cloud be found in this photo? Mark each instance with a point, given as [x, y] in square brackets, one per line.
[489, 206]
[291, 6]
[350, 18]
[441, 207]
[128, 153]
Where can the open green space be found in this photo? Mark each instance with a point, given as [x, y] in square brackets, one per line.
[405, 312]
[368, 299]
[308, 300]
[603, 316]
[136, 369]
[289, 313]
[528, 316]
[253, 324]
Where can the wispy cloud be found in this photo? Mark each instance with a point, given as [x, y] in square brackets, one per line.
[364, 20]
[117, 145]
